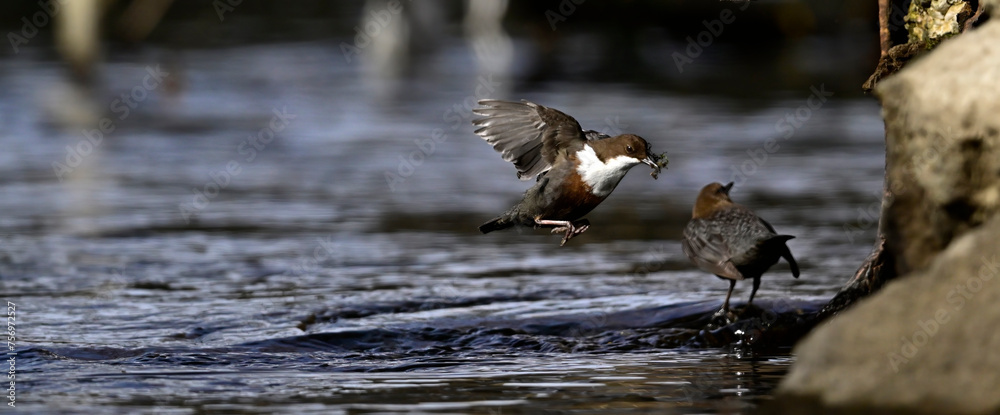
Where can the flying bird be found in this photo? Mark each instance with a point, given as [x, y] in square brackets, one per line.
[575, 170]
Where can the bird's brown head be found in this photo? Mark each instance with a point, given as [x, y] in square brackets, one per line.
[713, 197]
[629, 145]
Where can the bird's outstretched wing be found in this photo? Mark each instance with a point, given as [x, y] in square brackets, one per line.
[709, 250]
[527, 134]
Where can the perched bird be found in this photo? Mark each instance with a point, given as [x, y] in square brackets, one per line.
[575, 169]
[730, 241]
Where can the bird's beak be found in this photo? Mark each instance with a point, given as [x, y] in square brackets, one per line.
[728, 187]
[651, 161]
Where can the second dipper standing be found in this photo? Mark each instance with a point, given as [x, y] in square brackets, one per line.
[576, 169]
[730, 241]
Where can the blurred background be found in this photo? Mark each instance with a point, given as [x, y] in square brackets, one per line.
[224, 184]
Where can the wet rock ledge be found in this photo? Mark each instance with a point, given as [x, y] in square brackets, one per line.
[929, 341]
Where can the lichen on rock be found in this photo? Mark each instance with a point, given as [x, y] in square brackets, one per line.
[931, 21]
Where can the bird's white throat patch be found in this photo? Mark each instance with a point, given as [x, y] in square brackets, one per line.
[600, 176]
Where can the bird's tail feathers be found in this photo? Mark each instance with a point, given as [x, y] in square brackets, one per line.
[495, 224]
[786, 253]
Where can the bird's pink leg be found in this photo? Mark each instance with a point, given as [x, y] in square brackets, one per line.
[560, 226]
[571, 229]
[559, 223]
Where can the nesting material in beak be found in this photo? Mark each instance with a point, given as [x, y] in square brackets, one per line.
[657, 163]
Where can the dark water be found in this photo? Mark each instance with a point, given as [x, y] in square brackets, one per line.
[306, 283]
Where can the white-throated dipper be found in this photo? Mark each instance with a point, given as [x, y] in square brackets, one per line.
[575, 169]
[730, 241]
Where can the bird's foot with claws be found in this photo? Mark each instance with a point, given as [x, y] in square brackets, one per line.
[570, 229]
[574, 229]
[724, 317]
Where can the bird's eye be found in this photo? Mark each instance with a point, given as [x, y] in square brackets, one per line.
[629, 149]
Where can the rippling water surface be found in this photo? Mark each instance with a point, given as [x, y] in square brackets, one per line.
[306, 283]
